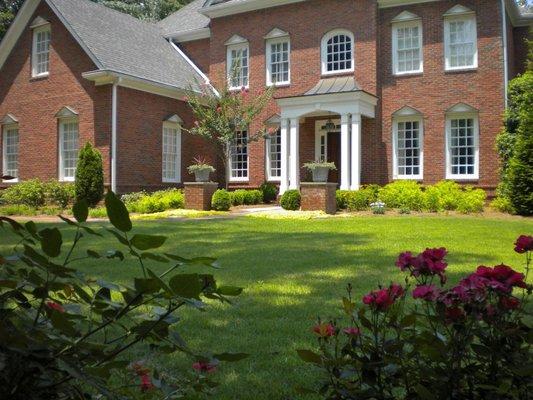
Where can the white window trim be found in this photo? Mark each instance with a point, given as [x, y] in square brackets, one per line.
[268, 141]
[229, 63]
[39, 29]
[241, 179]
[395, 122]
[459, 177]
[324, 55]
[62, 121]
[269, 43]
[172, 125]
[5, 128]
[453, 18]
[406, 24]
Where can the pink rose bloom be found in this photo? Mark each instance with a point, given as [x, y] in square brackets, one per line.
[352, 331]
[523, 244]
[55, 306]
[324, 330]
[146, 383]
[426, 292]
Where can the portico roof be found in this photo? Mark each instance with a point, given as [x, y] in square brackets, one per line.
[340, 84]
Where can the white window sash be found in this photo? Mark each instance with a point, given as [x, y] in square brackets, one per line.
[472, 23]
[449, 174]
[269, 72]
[62, 167]
[231, 63]
[268, 143]
[176, 129]
[395, 162]
[9, 129]
[230, 164]
[35, 54]
[395, 60]
[324, 52]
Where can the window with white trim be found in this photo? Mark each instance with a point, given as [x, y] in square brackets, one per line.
[278, 61]
[462, 155]
[460, 41]
[239, 157]
[407, 47]
[273, 144]
[68, 148]
[11, 151]
[337, 52]
[171, 152]
[41, 51]
[408, 148]
[238, 67]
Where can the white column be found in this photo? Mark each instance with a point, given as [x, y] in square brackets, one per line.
[284, 185]
[294, 179]
[356, 152]
[345, 152]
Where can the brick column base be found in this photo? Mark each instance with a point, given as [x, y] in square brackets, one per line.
[198, 195]
[319, 196]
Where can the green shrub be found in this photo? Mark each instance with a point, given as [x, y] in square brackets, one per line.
[90, 175]
[59, 194]
[237, 197]
[133, 197]
[149, 203]
[358, 200]
[98, 212]
[17, 209]
[30, 193]
[50, 210]
[502, 204]
[471, 200]
[443, 196]
[520, 172]
[342, 199]
[221, 200]
[252, 197]
[270, 192]
[401, 193]
[290, 200]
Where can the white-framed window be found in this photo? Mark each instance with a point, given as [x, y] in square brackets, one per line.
[171, 158]
[239, 157]
[408, 148]
[337, 52]
[238, 65]
[460, 42]
[462, 147]
[278, 54]
[273, 156]
[68, 148]
[10, 151]
[407, 54]
[40, 59]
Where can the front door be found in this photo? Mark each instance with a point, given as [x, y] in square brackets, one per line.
[334, 155]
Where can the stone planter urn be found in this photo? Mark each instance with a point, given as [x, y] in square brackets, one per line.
[200, 169]
[202, 175]
[320, 170]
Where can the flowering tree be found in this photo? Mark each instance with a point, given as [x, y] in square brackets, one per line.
[470, 341]
[222, 117]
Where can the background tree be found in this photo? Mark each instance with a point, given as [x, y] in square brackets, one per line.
[90, 175]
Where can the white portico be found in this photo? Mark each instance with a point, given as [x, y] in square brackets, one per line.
[341, 97]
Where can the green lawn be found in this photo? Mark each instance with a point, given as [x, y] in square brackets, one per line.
[295, 270]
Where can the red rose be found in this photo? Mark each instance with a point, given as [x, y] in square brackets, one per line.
[352, 331]
[453, 314]
[324, 330]
[523, 244]
[146, 383]
[55, 306]
[509, 303]
[426, 292]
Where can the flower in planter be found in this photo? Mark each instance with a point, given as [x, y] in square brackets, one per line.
[314, 165]
[378, 207]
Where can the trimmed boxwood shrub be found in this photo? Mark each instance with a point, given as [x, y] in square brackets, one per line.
[237, 197]
[246, 197]
[290, 200]
[270, 192]
[403, 194]
[90, 175]
[221, 200]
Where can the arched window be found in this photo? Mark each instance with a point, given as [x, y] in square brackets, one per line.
[337, 52]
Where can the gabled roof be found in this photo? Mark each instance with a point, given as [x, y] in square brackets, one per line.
[116, 42]
[186, 19]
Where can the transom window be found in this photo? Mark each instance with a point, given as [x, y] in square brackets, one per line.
[278, 65]
[274, 156]
[239, 157]
[41, 51]
[407, 47]
[408, 154]
[462, 157]
[337, 52]
[460, 42]
[11, 151]
[68, 149]
[171, 152]
[238, 66]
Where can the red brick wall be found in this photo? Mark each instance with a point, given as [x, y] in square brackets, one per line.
[520, 35]
[198, 52]
[36, 101]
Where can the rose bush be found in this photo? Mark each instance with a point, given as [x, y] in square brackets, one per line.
[469, 341]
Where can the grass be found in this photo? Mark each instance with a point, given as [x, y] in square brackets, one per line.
[293, 271]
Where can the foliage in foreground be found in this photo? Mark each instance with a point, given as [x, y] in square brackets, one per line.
[65, 336]
[470, 341]
[90, 175]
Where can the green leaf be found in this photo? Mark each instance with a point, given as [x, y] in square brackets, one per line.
[93, 254]
[348, 306]
[67, 220]
[51, 241]
[309, 356]
[147, 242]
[186, 285]
[90, 231]
[81, 210]
[115, 254]
[117, 212]
[119, 237]
[153, 257]
[408, 320]
[147, 285]
[231, 357]
[229, 290]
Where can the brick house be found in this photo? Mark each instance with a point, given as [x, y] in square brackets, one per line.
[385, 89]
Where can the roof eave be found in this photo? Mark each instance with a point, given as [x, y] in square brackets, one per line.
[224, 9]
[190, 35]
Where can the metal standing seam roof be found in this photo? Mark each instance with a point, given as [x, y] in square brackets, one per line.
[121, 43]
[340, 84]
